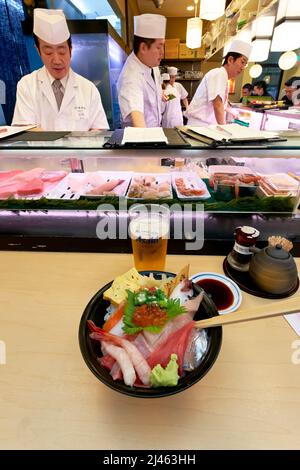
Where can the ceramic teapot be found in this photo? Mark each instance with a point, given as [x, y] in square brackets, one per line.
[273, 269]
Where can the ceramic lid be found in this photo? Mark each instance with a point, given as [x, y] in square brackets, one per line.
[277, 252]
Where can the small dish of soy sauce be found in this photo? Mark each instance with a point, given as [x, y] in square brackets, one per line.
[224, 292]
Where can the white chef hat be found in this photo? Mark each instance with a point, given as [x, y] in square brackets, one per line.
[150, 26]
[241, 47]
[50, 25]
[165, 76]
[172, 70]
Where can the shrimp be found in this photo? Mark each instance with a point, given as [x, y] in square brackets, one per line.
[141, 366]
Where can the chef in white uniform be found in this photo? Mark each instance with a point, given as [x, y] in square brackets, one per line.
[54, 97]
[172, 114]
[183, 94]
[209, 103]
[139, 85]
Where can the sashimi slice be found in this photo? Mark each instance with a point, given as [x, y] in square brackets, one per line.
[77, 182]
[34, 186]
[175, 344]
[106, 187]
[155, 339]
[6, 175]
[94, 179]
[49, 176]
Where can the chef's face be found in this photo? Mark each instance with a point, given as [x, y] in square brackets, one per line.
[152, 55]
[236, 66]
[56, 58]
[172, 79]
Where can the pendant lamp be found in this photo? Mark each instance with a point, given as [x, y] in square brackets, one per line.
[212, 9]
[286, 35]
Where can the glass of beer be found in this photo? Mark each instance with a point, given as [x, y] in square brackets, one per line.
[149, 226]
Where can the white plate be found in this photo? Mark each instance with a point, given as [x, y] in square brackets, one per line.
[237, 295]
[64, 189]
[193, 181]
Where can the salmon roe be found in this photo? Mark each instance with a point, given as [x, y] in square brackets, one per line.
[149, 315]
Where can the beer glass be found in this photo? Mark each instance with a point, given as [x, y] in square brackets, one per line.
[149, 226]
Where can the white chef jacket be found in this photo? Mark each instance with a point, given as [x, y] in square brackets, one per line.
[81, 108]
[200, 111]
[181, 90]
[137, 91]
[172, 114]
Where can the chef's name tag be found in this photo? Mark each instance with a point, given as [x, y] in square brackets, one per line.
[79, 112]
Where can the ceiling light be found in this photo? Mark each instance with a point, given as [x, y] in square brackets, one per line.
[212, 9]
[193, 33]
[260, 50]
[286, 35]
[255, 71]
[288, 60]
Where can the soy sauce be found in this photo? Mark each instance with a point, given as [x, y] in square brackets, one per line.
[219, 292]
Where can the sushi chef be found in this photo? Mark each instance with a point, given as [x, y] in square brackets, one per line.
[54, 97]
[139, 85]
[209, 104]
[183, 94]
[172, 114]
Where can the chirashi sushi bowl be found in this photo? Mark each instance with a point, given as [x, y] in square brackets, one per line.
[172, 343]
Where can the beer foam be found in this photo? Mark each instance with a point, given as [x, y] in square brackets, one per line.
[148, 227]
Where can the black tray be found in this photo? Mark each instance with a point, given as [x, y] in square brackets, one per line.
[245, 282]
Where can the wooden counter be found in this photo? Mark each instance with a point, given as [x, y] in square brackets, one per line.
[49, 399]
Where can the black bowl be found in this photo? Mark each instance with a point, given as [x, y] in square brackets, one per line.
[90, 349]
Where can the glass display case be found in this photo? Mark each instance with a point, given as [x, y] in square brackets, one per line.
[73, 195]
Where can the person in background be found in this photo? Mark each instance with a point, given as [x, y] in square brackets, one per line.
[209, 104]
[183, 94]
[290, 88]
[171, 107]
[260, 88]
[139, 84]
[247, 90]
[54, 97]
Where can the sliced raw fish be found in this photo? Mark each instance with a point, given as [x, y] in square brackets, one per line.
[34, 186]
[6, 175]
[155, 339]
[109, 186]
[94, 179]
[49, 176]
[195, 350]
[77, 182]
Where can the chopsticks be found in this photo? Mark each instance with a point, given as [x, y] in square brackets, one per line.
[256, 313]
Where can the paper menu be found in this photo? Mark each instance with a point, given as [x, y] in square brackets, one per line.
[294, 321]
[6, 131]
[232, 132]
[142, 135]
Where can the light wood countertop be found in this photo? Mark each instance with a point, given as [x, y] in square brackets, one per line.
[49, 399]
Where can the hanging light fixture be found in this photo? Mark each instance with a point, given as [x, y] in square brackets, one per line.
[288, 60]
[286, 35]
[261, 33]
[212, 9]
[194, 30]
[255, 71]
